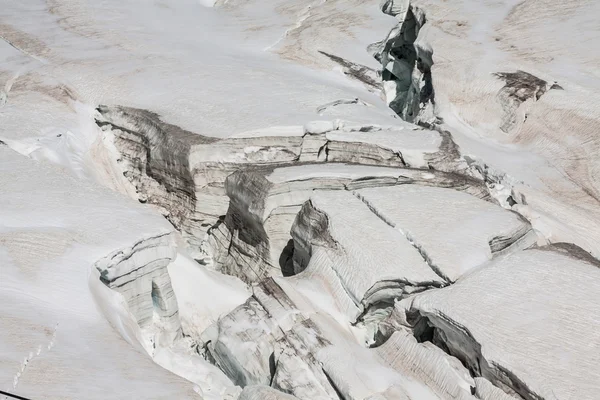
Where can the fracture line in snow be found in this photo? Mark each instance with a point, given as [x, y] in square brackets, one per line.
[407, 235]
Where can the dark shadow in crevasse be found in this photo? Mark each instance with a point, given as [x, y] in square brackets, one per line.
[286, 259]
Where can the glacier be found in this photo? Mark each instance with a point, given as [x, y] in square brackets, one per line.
[311, 199]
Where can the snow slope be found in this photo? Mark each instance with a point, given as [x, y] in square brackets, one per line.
[55, 342]
[200, 68]
[520, 322]
[221, 116]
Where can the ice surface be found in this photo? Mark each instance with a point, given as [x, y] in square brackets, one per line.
[163, 101]
[263, 393]
[410, 143]
[264, 204]
[338, 229]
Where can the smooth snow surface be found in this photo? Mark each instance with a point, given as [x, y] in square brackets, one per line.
[199, 68]
[52, 332]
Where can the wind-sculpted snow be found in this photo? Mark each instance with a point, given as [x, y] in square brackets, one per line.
[353, 255]
[486, 391]
[428, 363]
[349, 266]
[520, 322]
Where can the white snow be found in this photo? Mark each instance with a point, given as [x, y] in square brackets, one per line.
[203, 295]
[553, 146]
[452, 229]
[49, 293]
[248, 69]
[199, 68]
[532, 313]
[367, 250]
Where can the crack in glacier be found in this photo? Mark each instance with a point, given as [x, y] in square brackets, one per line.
[410, 239]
